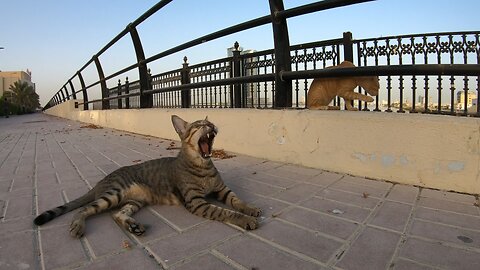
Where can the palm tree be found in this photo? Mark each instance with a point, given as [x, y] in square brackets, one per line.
[24, 96]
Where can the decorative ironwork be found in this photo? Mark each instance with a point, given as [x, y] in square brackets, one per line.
[210, 71]
[434, 48]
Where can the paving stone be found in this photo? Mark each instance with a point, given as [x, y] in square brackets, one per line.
[73, 177]
[104, 235]
[364, 200]
[16, 225]
[176, 247]
[55, 241]
[5, 186]
[293, 172]
[108, 168]
[178, 215]
[8, 169]
[18, 207]
[25, 170]
[367, 182]
[91, 171]
[17, 251]
[252, 186]
[320, 222]
[130, 259]
[376, 189]
[265, 165]
[247, 161]
[439, 232]
[21, 183]
[294, 238]
[450, 196]
[439, 255]
[345, 211]
[373, 249]
[47, 178]
[44, 164]
[403, 193]
[207, 261]
[255, 254]
[270, 207]
[324, 178]
[449, 206]
[272, 180]
[24, 192]
[402, 264]
[392, 215]
[3, 204]
[449, 218]
[298, 193]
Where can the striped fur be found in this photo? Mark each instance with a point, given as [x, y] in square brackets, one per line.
[186, 179]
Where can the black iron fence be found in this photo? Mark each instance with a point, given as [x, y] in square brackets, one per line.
[430, 73]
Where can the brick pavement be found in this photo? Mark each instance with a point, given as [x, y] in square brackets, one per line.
[312, 219]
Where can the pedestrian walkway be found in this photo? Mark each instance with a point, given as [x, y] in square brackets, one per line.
[311, 219]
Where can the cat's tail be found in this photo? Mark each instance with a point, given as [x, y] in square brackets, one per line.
[63, 209]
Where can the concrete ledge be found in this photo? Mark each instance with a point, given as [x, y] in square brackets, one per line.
[425, 150]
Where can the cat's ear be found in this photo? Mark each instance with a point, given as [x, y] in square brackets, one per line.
[206, 118]
[179, 125]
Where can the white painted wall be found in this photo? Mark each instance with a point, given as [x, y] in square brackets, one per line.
[426, 150]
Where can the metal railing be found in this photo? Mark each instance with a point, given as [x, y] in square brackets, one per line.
[412, 69]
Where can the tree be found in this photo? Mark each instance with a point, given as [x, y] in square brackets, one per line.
[23, 95]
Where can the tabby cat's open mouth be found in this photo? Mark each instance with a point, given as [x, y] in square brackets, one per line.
[205, 144]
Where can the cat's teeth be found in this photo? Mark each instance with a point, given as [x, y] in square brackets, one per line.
[208, 135]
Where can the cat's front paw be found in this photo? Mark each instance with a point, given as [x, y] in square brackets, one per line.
[252, 211]
[134, 227]
[247, 223]
[77, 228]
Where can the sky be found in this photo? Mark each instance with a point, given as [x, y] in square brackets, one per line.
[55, 38]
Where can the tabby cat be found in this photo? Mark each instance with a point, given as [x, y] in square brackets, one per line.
[185, 179]
[323, 90]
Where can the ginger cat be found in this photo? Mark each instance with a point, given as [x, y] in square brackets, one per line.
[323, 90]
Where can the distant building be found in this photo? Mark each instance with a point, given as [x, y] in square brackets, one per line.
[7, 78]
[250, 89]
[422, 100]
[461, 99]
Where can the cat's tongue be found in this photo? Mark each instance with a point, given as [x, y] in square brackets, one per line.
[205, 150]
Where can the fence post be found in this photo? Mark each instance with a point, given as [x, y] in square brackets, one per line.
[103, 84]
[283, 89]
[66, 92]
[347, 46]
[185, 79]
[84, 91]
[348, 56]
[236, 72]
[73, 89]
[119, 93]
[127, 90]
[146, 100]
[63, 95]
